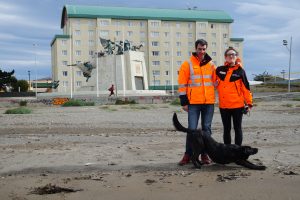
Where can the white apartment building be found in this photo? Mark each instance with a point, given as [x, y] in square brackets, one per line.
[167, 36]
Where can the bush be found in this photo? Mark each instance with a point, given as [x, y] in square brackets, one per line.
[20, 110]
[126, 101]
[23, 103]
[23, 84]
[77, 102]
[176, 102]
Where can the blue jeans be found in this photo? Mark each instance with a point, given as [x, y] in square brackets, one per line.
[206, 111]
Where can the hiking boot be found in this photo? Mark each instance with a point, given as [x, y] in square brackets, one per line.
[185, 160]
[205, 159]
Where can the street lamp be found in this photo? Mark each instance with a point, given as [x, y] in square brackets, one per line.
[285, 43]
[29, 79]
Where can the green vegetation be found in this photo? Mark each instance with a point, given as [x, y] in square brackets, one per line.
[20, 110]
[77, 102]
[23, 103]
[125, 101]
[296, 99]
[175, 102]
[287, 105]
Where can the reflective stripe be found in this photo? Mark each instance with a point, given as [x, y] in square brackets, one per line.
[182, 85]
[195, 77]
[207, 76]
[182, 93]
[208, 84]
[195, 84]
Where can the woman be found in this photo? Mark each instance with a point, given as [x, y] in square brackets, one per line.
[234, 95]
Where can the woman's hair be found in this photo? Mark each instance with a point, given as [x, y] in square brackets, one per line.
[231, 49]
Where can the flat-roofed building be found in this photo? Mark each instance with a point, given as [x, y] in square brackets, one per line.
[167, 36]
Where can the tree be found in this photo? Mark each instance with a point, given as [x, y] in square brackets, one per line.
[23, 84]
[6, 79]
[264, 77]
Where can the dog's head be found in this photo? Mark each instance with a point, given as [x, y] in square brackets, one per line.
[246, 151]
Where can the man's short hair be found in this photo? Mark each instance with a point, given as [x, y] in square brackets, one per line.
[201, 42]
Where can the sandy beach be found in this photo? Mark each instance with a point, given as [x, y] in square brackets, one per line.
[131, 152]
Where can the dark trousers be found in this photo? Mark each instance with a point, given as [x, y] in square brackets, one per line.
[236, 115]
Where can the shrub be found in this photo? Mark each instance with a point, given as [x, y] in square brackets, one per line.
[77, 102]
[126, 101]
[23, 84]
[20, 110]
[176, 102]
[23, 103]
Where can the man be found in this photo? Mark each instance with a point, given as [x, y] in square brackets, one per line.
[196, 92]
[111, 89]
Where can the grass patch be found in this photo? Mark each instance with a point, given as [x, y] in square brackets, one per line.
[123, 102]
[77, 102]
[175, 102]
[287, 105]
[20, 110]
[296, 99]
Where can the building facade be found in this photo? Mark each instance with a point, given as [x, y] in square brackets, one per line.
[167, 36]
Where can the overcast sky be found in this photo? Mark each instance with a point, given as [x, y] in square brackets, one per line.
[263, 25]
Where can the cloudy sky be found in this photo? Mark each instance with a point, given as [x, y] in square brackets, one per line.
[263, 25]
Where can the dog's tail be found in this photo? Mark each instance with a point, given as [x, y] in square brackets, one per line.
[177, 124]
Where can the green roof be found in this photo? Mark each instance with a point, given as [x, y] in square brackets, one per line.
[236, 39]
[77, 11]
[59, 36]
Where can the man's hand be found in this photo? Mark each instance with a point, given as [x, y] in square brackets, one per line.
[185, 108]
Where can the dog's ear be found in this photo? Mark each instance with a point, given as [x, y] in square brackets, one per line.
[249, 150]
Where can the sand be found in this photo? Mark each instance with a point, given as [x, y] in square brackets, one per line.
[131, 152]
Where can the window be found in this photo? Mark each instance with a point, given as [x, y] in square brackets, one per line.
[91, 43]
[189, 53]
[167, 53]
[212, 26]
[225, 26]
[225, 35]
[118, 23]
[65, 83]
[78, 53]
[214, 53]
[129, 33]
[130, 23]
[178, 63]
[65, 73]
[91, 33]
[167, 63]
[190, 25]
[202, 25]
[178, 34]
[63, 42]
[104, 33]
[78, 73]
[155, 63]
[156, 73]
[91, 53]
[142, 34]
[177, 25]
[118, 33]
[215, 62]
[167, 44]
[155, 53]
[77, 32]
[64, 63]
[166, 73]
[202, 35]
[167, 34]
[178, 44]
[78, 83]
[168, 82]
[178, 53]
[190, 44]
[190, 35]
[226, 45]
[154, 34]
[166, 24]
[154, 24]
[142, 24]
[154, 43]
[104, 22]
[77, 42]
[214, 35]
[213, 44]
[64, 52]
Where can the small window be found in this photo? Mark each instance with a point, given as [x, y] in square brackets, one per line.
[155, 53]
[64, 52]
[154, 43]
[65, 73]
[78, 73]
[78, 83]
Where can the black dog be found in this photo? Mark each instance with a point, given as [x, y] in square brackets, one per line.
[218, 152]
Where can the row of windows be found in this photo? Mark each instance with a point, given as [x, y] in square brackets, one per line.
[66, 83]
[78, 73]
[105, 22]
[105, 33]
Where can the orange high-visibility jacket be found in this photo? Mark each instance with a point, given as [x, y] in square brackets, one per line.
[196, 81]
[233, 87]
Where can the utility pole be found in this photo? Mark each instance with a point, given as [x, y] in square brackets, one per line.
[29, 79]
[285, 43]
